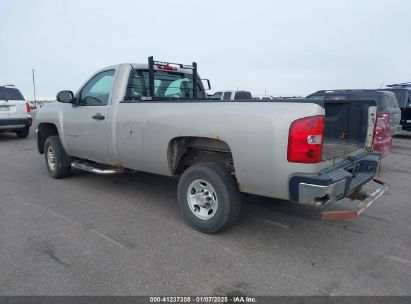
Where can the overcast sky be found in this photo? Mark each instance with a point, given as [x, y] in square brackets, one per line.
[286, 47]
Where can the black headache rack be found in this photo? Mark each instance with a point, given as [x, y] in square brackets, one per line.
[170, 66]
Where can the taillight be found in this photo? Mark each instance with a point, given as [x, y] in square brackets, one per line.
[382, 127]
[305, 140]
[387, 118]
[27, 107]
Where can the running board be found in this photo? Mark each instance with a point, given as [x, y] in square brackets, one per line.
[95, 168]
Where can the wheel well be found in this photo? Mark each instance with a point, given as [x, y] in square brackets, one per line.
[186, 151]
[45, 130]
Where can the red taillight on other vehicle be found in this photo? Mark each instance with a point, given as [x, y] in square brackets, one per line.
[382, 127]
[382, 141]
[27, 107]
[387, 118]
[305, 140]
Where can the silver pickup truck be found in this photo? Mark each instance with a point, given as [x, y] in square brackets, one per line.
[155, 118]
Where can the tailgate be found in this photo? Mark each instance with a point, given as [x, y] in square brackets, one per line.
[12, 109]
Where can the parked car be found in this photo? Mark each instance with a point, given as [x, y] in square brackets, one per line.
[14, 112]
[155, 118]
[388, 112]
[231, 95]
[403, 94]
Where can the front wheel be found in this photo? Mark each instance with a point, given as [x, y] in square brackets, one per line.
[208, 197]
[58, 163]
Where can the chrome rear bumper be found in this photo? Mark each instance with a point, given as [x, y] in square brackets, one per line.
[336, 182]
[319, 195]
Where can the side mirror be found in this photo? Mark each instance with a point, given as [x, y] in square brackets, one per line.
[206, 81]
[65, 96]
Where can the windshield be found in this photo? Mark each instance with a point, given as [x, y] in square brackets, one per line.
[166, 85]
[401, 96]
[392, 100]
[10, 94]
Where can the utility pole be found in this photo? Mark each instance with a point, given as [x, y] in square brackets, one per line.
[34, 87]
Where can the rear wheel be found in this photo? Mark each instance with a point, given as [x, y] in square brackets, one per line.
[23, 133]
[58, 163]
[208, 197]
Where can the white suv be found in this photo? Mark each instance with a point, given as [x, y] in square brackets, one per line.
[14, 112]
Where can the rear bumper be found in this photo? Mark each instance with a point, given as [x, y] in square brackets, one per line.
[336, 182]
[15, 123]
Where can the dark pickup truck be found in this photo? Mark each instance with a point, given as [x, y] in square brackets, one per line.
[388, 112]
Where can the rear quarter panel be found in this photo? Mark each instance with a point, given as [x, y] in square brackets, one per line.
[256, 132]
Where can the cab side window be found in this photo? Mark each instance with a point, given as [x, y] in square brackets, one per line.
[97, 90]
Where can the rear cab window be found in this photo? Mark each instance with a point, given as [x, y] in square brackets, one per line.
[401, 96]
[388, 100]
[167, 85]
[10, 94]
[377, 98]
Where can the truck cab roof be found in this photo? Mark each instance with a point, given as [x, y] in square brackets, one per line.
[144, 66]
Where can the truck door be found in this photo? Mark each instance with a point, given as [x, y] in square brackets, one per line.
[85, 125]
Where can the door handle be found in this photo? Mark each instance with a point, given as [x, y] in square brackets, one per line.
[98, 116]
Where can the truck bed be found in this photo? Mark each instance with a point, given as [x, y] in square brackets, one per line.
[346, 128]
[332, 150]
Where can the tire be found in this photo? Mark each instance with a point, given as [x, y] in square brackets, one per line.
[208, 209]
[23, 133]
[58, 163]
